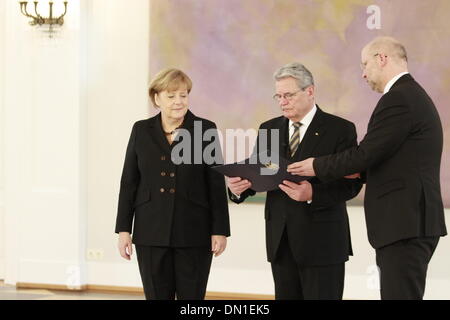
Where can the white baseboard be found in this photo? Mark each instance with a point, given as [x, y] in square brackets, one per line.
[69, 274]
[437, 289]
[247, 281]
[220, 280]
[125, 274]
[357, 287]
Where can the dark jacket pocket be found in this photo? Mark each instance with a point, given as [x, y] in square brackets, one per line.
[142, 197]
[388, 187]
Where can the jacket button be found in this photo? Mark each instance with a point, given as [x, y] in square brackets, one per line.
[161, 190]
[163, 174]
[172, 174]
[163, 158]
[172, 190]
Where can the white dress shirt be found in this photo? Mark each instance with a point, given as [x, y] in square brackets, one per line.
[392, 81]
[306, 121]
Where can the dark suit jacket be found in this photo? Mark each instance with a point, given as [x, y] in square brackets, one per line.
[172, 205]
[318, 233]
[401, 155]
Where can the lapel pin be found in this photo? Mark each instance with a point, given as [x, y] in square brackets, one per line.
[317, 133]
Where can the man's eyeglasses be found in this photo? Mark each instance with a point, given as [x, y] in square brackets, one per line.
[364, 65]
[288, 96]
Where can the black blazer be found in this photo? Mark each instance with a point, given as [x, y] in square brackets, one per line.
[318, 233]
[172, 205]
[401, 155]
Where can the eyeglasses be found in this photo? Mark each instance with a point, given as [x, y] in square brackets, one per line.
[364, 65]
[288, 96]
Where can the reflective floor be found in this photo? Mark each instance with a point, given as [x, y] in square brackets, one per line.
[8, 292]
[12, 293]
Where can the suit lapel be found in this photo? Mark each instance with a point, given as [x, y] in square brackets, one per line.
[188, 124]
[157, 134]
[312, 137]
[403, 79]
[283, 125]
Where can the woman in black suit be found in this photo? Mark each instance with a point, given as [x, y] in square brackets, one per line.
[177, 201]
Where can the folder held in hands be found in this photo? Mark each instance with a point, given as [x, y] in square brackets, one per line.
[264, 175]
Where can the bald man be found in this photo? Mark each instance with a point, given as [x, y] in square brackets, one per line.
[399, 160]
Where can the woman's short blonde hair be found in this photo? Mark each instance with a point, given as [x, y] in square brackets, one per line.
[170, 80]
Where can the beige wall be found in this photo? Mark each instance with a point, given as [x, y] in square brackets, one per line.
[2, 241]
[117, 97]
[44, 149]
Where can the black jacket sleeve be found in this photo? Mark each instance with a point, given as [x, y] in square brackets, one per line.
[388, 129]
[331, 193]
[247, 193]
[128, 186]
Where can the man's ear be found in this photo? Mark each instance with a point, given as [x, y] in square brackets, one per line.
[382, 59]
[310, 90]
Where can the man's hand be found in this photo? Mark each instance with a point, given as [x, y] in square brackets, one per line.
[218, 244]
[125, 245]
[298, 192]
[237, 185]
[303, 168]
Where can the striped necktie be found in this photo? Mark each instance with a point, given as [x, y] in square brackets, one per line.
[295, 138]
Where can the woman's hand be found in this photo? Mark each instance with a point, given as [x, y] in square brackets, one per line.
[218, 244]
[125, 245]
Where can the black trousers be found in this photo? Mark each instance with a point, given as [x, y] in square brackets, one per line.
[295, 282]
[174, 272]
[403, 268]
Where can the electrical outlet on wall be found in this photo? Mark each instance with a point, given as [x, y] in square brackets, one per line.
[95, 254]
[99, 254]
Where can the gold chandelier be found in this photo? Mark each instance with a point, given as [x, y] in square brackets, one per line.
[37, 19]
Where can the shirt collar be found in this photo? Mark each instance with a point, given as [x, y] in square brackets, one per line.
[392, 81]
[306, 119]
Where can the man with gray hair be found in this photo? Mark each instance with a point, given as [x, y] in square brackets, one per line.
[307, 229]
[399, 159]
